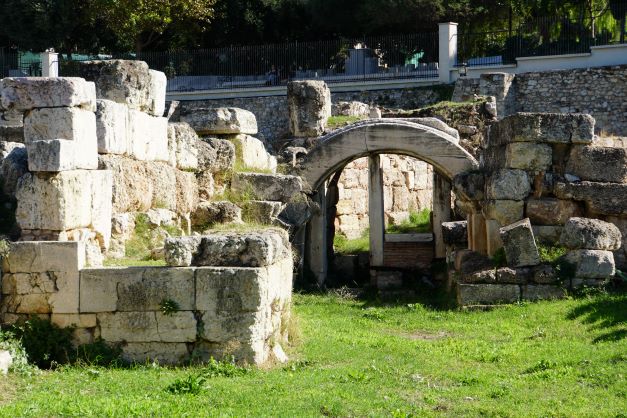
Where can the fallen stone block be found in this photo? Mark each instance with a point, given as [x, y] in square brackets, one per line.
[535, 292]
[262, 212]
[509, 275]
[26, 93]
[182, 140]
[519, 243]
[13, 165]
[254, 154]
[112, 127]
[221, 121]
[353, 108]
[529, 156]
[309, 104]
[504, 212]
[455, 232]
[182, 251]
[211, 213]
[508, 184]
[600, 198]
[483, 276]
[147, 136]
[482, 294]
[274, 187]
[551, 211]
[592, 234]
[598, 164]
[6, 360]
[592, 264]
[215, 155]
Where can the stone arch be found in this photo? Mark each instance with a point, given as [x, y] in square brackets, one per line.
[425, 139]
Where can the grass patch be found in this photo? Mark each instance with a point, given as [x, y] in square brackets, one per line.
[418, 222]
[343, 245]
[550, 254]
[335, 122]
[560, 358]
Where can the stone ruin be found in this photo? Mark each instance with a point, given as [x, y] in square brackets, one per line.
[94, 158]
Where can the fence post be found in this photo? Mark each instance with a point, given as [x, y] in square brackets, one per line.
[49, 63]
[447, 50]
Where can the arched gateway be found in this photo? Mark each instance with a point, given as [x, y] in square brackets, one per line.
[425, 139]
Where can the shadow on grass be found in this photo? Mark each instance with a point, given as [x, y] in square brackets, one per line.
[604, 312]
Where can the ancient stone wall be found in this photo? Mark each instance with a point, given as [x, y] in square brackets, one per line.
[600, 92]
[407, 185]
[273, 115]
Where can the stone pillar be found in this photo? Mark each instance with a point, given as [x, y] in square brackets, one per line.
[317, 242]
[375, 210]
[441, 211]
[447, 50]
[309, 105]
[49, 64]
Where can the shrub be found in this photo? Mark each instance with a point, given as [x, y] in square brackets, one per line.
[99, 353]
[224, 368]
[45, 343]
[10, 343]
[190, 385]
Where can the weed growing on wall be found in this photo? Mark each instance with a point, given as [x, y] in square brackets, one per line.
[169, 307]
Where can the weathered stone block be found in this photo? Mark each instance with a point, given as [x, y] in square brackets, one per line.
[455, 232]
[76, 320]
[163, 353]
[552, 128]
[470, 186]
[551, 211]
[254, 154]
[504, 212]
[215, 155]
[230, 291]
[309, 104]
[545, 274]
[26, 93]
[182, 140]
[44, 256]
[542, 292]
[210, 213]
[508, 184]
[112, 127]
[56, 155]
[598, 164]
[513, 275]
[275, 187]
[221, 121]
[467, 262]
[147, 136]
[600, 198]
[529, 156]
[593, 234]
[157, 92]
[482, 294]
[483, 276]
[262, 212]
[70, 123]
[519, 243]
[182, 251]
[592, 264]
[143, 327]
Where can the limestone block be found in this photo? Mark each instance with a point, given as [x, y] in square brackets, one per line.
[482, 294]
[262, 212]
[147, 136]
[470, 186]
[598, 164]
[592, 264]
[13, 165]
[6, 360]
[112, 127]
[508, 184]
[493, 237]
[254, 154]
[27, 283]
[181, 251]
[455, 232]
[309, 104]
[215, 155]
[56, 155]
[11, 133]
[504, 212]
[206, 185]
[70, 123]
[32, 304]
[483, 276]
[76, 320]
[228, 291]
[547, 234]
[250, 249]
[551, 211]
[123, 81]
[221, 121]
[529, 156]
[542, 292]
[186, 192]
[513, 275]
[182, 140]
[44, 256]
[592, 234]
[26, 93]
[353, 108]
[156, 92]
[143, 327]
[519, 243]
[275, 187]
[163, 353]
[551, 128]
[210, 213]
[545, 274]
[600, 198]
[467, 262]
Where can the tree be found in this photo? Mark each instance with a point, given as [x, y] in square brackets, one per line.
[139, 23]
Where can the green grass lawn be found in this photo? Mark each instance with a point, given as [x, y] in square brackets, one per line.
[565, 358]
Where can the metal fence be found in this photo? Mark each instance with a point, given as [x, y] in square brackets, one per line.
[334, 61]
[14, 63]
[541, 37]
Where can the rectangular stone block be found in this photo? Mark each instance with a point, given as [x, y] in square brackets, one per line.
[33, 304]
[228, 291]
[543, 292]
[147, 136]
[602, 164]
[112, 127]
[519, 243]
[529, 156]
[25, 93]
[493, 236]
[551, 128]
[76, 320]
[55, 155]
[221, 121]
[600, 198]
[157, 92]
[163, 353]
[69, 123]
[44, 256]
[551, 211]
[51, 292]
[505, 212]
[143, 327]
[592, 264]
[487, 294]
[508, 184]
[183, 152]
[136, 289]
